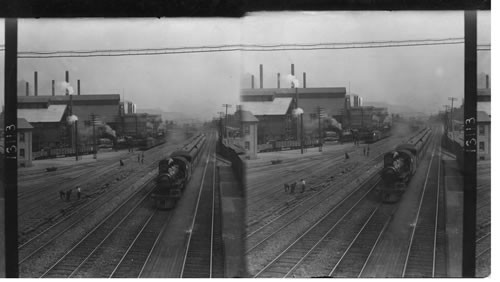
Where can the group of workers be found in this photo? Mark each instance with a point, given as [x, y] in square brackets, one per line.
[67, 194]
[291, 187]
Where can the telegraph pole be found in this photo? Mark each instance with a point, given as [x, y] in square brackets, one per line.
[319, 129]
[451, 115]
[225, 127]
[221, 132]
[92, 116]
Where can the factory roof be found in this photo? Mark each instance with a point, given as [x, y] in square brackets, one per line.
[53, 113]
[279, 106]
[23, 124]
[482, 116]
[247, 116]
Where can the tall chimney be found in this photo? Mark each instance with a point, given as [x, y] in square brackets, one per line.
[36, 83]
[53, 87]
[487, 81]
[304, 79]
[253, 79]
[293, 73]
[27, 88]
[261, 77]
[78, 86]
[278, 80]
[67, 80]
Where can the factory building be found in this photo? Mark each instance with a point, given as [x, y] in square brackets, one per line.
[274, 109]
[49, 117]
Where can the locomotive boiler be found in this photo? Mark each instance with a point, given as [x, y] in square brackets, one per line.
[400, 165]
[174, 173]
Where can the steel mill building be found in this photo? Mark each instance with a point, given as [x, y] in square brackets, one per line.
[273, 107]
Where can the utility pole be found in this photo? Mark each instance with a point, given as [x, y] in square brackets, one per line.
[76, 139]
[446, 117]
[92, 116]
[225, 127]
[451, 115]
[320, 110]
[221, 132]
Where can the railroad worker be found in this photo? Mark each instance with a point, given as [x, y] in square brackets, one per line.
[121, 162]
[292, 187]
[142, 158]
[368, 151]
[346, 156]
[61, 194]
[78, 192]
[303, 184]
[68, 195]
[287, 187]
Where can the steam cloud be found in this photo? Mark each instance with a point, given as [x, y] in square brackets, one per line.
[297, 111]
[71, 119]
[66, 86]
[293, 80]
[109, 130]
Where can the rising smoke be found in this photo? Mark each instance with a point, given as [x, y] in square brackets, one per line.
[292, 79]
[66, 86]
[71, 119]
[297, 111]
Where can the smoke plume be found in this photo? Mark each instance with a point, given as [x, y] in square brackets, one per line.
[71, 119]
[66, 86]
[297, 111]
[293, 80]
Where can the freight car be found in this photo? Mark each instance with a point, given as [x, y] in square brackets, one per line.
[400, 165]
[174, 173]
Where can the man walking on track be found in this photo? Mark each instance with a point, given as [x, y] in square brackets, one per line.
[303, 184]
[78, 192]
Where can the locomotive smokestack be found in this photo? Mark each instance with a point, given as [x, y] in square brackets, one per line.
[27, 88]
[293, 74]
[304, 79]
[36, 83]
[261, 76]
[78, 86]
[67, 81]
[53, 87]
[278, 80]
[253, 80]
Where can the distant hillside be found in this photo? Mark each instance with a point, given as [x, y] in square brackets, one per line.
[170, 116]
[402, 110]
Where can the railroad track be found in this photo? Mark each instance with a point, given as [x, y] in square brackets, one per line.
[119, 228]
[204, 251]
[426, 234]
[296, 253]
[273, 226]
[355, 257]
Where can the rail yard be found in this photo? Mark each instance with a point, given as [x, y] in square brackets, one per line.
[340, 226]
[113, 228]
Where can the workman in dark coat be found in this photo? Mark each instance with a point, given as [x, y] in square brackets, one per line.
[68, 195]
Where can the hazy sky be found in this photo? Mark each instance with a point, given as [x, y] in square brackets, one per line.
[198, 84]
[420, 76]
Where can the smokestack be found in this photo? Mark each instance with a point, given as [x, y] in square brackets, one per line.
[278, 80]
[487, 81]
[293, 73]
[67, 80]
[53, 87]
[27, 88]
[253, 78]
[36, 83]
[261, 76]
[78, 86]
[304, 79]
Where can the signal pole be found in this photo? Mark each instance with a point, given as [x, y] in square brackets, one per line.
[451, 115]
[225, 126]
[92, 116]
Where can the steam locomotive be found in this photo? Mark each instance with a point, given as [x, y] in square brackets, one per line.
[174, 173]
[400, 165]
